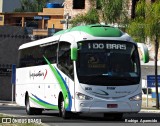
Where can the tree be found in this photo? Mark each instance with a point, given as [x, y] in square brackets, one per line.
[31, 5]
[114, 11]
[107, 11]
[91, 17]
[147, 24]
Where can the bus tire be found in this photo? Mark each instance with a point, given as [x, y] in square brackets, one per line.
[29, 110]
[62, 111]
[32, 111]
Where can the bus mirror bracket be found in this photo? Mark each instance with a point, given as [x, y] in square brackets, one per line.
[144, 50]
[74, 54]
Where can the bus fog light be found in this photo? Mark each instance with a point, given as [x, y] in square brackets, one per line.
[137, 97]
[81, 96]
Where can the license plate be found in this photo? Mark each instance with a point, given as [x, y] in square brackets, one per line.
[112, 106]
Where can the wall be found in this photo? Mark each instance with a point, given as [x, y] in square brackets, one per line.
[1, 5]
[68, 8]
[55, 14]
[11, 37]
[1, 19]
[10, 5]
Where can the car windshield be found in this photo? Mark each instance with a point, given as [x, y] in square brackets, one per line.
[108, 63]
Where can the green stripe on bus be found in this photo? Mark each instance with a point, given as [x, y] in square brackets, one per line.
[62, 85]
[44, 105]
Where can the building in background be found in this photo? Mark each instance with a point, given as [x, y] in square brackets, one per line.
[9, 5]
[40, 23]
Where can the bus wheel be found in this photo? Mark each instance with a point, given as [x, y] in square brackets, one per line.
[29, 110]
[32, 111]
[62, 111]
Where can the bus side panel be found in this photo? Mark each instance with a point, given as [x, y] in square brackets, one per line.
[35, 80]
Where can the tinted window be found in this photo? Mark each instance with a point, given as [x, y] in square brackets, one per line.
[108, 63]
[64, 61]
[34, 56]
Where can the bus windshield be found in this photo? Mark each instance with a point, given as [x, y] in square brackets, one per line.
[108, 63]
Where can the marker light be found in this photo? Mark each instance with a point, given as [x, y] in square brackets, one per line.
[137, 97]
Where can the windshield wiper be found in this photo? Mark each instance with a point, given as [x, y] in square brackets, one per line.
[93, 75]
[101, 74]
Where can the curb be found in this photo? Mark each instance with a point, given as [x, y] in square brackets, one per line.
[9, 104]
[150, 111]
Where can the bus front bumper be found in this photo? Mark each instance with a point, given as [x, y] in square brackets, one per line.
[104, 107]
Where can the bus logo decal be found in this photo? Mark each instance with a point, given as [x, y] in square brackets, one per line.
[45, 74]
[111, 88]
[101, 93]
[38, 74]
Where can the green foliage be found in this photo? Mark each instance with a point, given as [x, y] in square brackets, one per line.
[91, 17]
[147, 21]
[108, 11]
[31, 5]
[136, 30]
[114, 11]
[140, 9]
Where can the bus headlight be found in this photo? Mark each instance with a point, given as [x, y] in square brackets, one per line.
[137, 97]
[81, 96]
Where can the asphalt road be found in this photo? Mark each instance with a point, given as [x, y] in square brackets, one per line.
[52, 118]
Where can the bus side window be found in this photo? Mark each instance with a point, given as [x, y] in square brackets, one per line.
[64, 61]
[26, 58]
[50, 52]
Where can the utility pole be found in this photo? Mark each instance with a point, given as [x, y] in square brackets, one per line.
[66, 21]
[156, 72]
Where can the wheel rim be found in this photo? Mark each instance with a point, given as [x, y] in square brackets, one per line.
[28, 106]
[62, 107]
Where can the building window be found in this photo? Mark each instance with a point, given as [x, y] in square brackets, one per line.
[78, 4]
[1, 18]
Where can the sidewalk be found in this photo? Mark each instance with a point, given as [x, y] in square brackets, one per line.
[149, 106]
[10, 103]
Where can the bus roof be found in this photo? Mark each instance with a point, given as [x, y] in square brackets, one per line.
[38, 42]
[96, 30]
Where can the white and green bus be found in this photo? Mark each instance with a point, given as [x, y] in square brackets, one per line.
[85, 69]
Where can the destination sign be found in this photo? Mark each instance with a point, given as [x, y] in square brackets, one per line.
[107, 46]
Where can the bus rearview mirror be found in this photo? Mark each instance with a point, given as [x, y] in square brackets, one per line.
[74, 54]
[144, 50]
